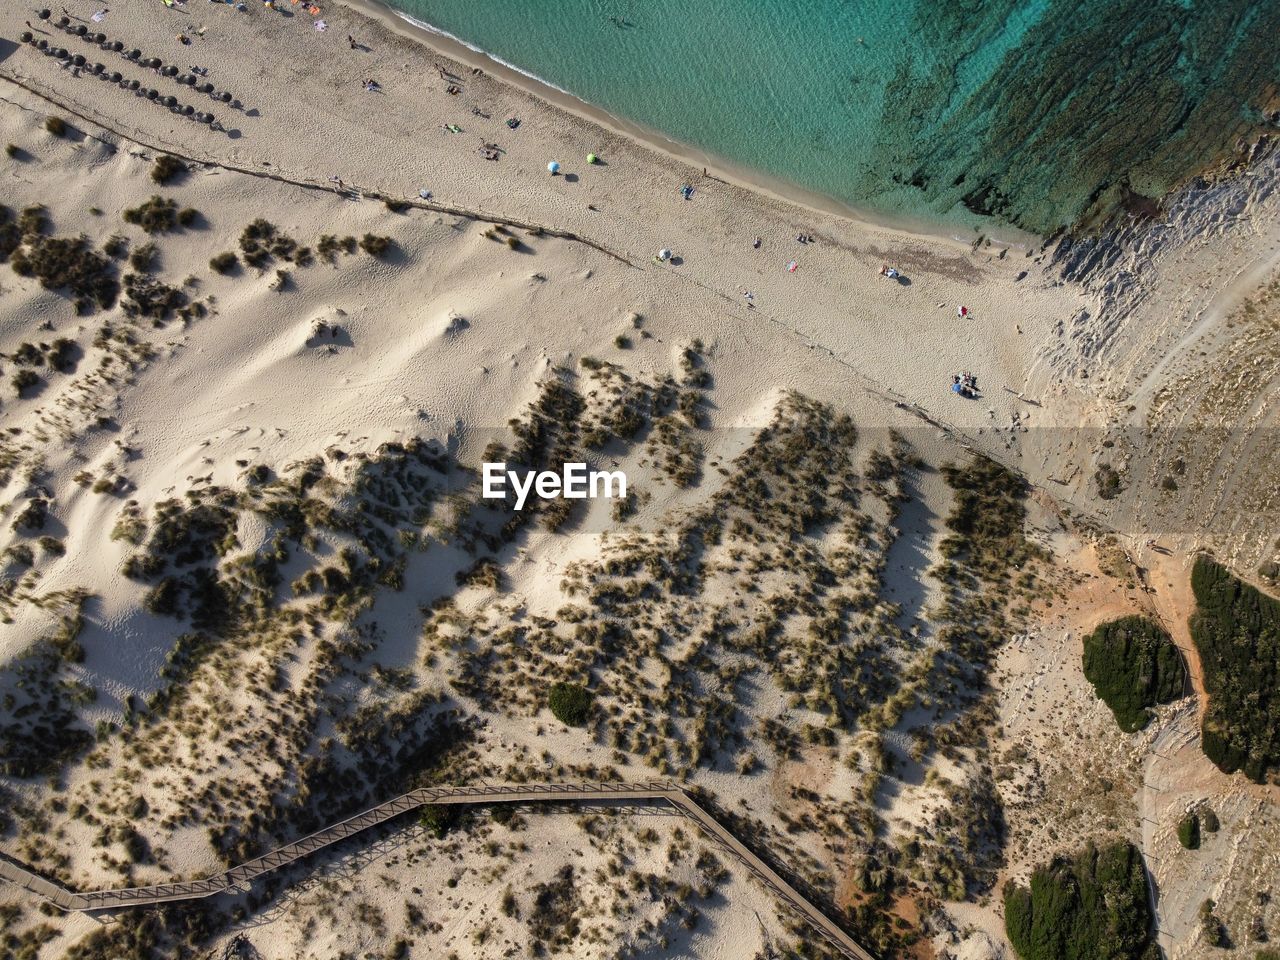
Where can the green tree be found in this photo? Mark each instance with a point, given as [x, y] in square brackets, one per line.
[1189, 831]
[1093, 906]
[1236, 628]
[1133, 664]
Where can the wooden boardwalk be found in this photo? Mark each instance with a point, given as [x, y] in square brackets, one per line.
[238, 878]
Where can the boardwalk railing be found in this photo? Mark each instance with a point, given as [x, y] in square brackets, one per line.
[238, 878]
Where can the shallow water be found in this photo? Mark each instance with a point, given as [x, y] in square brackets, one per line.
[1038, 111]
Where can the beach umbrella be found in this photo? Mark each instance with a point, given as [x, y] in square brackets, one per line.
[78, 60]
[63, 21]
[81, 30]
[26, 36]
[153, 63]
[224, 97]
[170, 101]
[43, 44]
[205, 87]
[151, 94]
[133, 54]
[664, 254]
[592, 158]
[44, 14]
[115, 76]
[133, 84]
[553, 168]
[98, 68]
[117, 46]
[188, 110]
[99, 38]
[185, 80]
[170, 71]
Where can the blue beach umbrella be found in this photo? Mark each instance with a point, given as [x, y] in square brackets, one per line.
[553, 168]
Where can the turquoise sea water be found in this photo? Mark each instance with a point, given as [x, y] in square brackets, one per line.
[1040, 112]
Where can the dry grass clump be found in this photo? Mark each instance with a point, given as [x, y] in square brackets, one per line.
[160, 215]
[224, 262]
[376, 246]
[57, 355]
[56, 126]
[68, 263]
[329, 246]
[147, 297]
[166, 168]
[143, 258]
[261, 241]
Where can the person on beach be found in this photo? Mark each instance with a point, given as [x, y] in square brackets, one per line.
[962, 311]
[351, 40]
[756, 243]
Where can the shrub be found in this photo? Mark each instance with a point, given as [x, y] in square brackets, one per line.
[260, 241]
[1209, 820]
[375, 246]
[1236, 629]
[1189, 831]
[147, 297]
[1133, 664]
[157, 215]
[187, 216]
[24, 380]
[166, 168]
[329, 246]
[68, 263]
[438, 819]
[13, 152]
[115, 246]
[1214, 930]
[571, 703]
[622, 342]
[143, 258]
[1109, 482]
[1091, 906]
[56, 125]
[224, 262]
